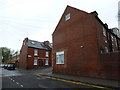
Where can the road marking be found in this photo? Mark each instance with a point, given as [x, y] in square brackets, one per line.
[17, 83]
[74, 82]
[21, 85]
[37, 78]
[41, 86]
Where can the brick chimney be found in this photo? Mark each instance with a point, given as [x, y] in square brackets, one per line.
[46, 43]
[25, 40]
[94, 13]
[106, 25]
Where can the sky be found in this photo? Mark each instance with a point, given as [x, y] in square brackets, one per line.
[37, 19]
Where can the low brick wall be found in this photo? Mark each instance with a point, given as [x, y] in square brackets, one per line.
[110, 65]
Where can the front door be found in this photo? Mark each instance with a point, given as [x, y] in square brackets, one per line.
[41, 62]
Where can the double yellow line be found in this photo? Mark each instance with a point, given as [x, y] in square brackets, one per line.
[63, 80]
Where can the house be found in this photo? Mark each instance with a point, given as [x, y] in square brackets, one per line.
[116, 31]
[15, 60]
[34, 54]
[83, 45]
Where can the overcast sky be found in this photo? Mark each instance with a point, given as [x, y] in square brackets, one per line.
[37, 19]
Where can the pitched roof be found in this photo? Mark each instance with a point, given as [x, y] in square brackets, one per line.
[40, 45]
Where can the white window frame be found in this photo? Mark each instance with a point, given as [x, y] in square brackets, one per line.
[67, 17]
[58, 59]
[47, 54]
[46, 62]
[104, 31]
[35, 62]
[112, 37]
[113, 50]
[115, 42]
[105, 41]
[35, 52]
[106, 49]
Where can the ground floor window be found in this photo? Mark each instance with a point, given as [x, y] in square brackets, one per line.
[35, 61]
[60, 57]
[46, 62]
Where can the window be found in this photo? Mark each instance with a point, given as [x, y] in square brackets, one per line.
[105, 41]
[35, 61]
[112, 38]
[46, 62]
[67, 17]
[47, 54]
[33, 42]
[60, 57]
[113, 50]
[104, 31]
[106, 49]
[115, 42]
[101, 50]
[35, 52]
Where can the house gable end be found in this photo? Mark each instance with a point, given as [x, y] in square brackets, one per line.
[73, 12]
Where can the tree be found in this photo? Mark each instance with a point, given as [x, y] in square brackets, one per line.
[5, 54]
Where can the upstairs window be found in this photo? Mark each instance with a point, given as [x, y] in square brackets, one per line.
[33, 42]
[67, 17]
[60, 57]
[47, 54]
[112, 38]
[116, 42]
[104, 32]
[105, 41]
[35, 52]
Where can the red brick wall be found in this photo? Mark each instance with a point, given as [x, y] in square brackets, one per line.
[110, 65]
[83, 30]
[27, 62]
[23, 55]
[41, 54]
[69, 35]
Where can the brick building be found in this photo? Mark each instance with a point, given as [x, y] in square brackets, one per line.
[15, 60]
[83, 45]
[35, 54]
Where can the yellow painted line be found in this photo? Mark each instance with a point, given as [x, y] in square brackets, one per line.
[63, 80]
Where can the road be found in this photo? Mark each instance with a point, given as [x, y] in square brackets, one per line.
[28, 79]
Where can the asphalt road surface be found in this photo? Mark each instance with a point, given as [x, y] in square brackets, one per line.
[25, 79]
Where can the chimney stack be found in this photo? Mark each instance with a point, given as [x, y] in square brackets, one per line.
[106, 25]
[94, 13]
[46, 43]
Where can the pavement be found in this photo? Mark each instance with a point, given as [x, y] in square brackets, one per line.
[47, 71]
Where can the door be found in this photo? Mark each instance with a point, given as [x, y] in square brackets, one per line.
[41, 62]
